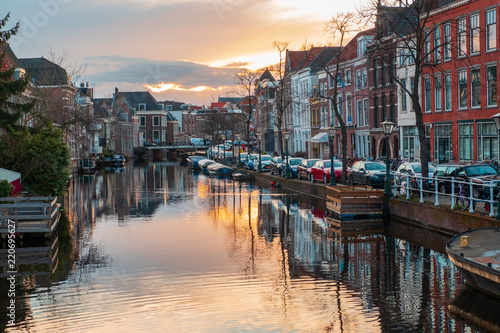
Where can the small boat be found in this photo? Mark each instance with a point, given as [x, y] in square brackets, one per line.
[192, 161]
[219, 169]
[203, 164]
[241, 175]
[476, 254]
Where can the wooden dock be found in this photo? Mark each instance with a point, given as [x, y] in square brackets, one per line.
[355, 202]
[30, 214]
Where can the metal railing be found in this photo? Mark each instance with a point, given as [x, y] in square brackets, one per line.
[413, 186]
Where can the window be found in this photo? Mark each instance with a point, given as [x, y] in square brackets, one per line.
[347, 77]
[358, 79]
[403, 95]
[437, 44]
[491, 87]
[474, 33]
[475, 87]
[410, 141]
[491, 30]
[437, 93]
[156, 136]
[427, 46]
[402, 57]
[156, 121]
[383, 72]
[375, 111]
[462, 89]
[462, 37]
[340, 106]
[348, 102]
[365, 111]
[412, 89]
[487, 142]
[447, 92]
[364, 78]
[360, 112]
[465, 142]
[375, 72]
[447, 41]
[142, 121]
[427, 95]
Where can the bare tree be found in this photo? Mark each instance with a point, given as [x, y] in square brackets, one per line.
[283, 99]
[245, 80]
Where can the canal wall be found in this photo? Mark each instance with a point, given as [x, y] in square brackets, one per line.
[440, 219]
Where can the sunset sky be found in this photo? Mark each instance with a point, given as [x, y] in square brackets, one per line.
[190, 49]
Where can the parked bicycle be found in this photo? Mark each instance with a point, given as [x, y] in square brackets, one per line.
[463, 197]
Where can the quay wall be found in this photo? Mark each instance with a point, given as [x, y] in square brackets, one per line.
[441, 219]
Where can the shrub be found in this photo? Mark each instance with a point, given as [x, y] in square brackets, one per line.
[5, 188]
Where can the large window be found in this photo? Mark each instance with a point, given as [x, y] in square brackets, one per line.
[447, 92]
[447, 41]
[491, 87]
[487, 141]
[375, 72]
[156, 121]
[348, 102]
[427, 46]
[465, 142]
[347, 77]
[360, 112]
[475, 87]
[437, 93]
[364, 78]
[474, 33]
[443, 151]
[142, 121]
[491, 30]
[437, 44]
[462, 37]
[410, 142]
[462, 89]
[427, 95]
[404, 104]
[365, 111]
[358, 79]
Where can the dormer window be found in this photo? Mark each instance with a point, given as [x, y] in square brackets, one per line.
[142, 106]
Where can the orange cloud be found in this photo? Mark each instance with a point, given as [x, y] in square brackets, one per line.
[161, 87]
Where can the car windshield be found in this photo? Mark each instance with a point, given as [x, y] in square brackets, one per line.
[279, 160]
[374, 166]
[266, 158]
[311, 163]
[295, 161]
[479, 170]
[418, 168]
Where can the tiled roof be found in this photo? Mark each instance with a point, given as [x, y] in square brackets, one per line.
[134, 98]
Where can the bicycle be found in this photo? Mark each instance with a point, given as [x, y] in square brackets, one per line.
[463, 201]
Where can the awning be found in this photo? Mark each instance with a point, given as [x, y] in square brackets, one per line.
[320, 137]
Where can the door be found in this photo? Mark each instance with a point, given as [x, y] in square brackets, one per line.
[444, 150]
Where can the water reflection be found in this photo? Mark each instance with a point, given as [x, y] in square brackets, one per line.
[159, 248]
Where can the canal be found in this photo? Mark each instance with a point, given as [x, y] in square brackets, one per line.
[159, 248]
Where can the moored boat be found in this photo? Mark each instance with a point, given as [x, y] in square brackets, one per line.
[241, 175]
[203, 164]
[219, 169]
[476, 254]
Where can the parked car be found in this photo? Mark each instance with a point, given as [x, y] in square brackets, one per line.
[412, 169]
[293, 163]
[250, 161]
[265, 161]
[242, 158]
[304, 168]
[275, 165]
[321, 170]
[480, 174]
[371, 173]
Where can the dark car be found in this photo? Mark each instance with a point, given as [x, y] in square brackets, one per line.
[293, 163]
[321, 171]
[371, 173]
[275, 165]
[304, 168]
[479, 174]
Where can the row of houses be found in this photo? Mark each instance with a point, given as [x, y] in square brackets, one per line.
[375, 78]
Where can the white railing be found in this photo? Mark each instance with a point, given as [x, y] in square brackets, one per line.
[462, 193]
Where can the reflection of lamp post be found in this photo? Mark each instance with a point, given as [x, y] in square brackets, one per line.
[387, 127]
[238, 137]
[223, 138]
[259, 137]
[287, 172]
[331, 135]
[496, 119]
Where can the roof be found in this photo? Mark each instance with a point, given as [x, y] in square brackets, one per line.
[9, 54]
[43, 72]
[234, 100]
[134, 98]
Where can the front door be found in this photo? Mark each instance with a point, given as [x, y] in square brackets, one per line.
[444, 150]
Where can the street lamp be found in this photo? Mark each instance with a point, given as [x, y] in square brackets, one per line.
[223, 138]
[287, 137]
[238, 137]
[331, 135]
[259, 138]
[496, 119]
[387, 127]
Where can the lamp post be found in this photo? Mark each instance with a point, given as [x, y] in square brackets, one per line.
[259, 138]
[287, 137]
[238, 137]
[331, 135]
[387, 127]
[223, 138]
[496, 119]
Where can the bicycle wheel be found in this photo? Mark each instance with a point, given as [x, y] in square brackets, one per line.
[463, 202]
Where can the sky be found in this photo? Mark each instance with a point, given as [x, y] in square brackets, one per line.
[182, 50]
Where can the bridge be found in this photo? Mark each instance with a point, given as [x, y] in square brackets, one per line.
[182, 146]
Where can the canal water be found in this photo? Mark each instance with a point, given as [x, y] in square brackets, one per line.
[160, 248]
